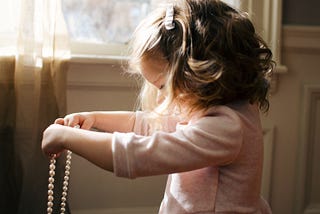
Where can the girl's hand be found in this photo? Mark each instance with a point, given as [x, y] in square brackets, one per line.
[93, 146]
[53, 139]
[84, 120]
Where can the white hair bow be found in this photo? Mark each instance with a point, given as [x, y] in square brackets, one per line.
[168, 20]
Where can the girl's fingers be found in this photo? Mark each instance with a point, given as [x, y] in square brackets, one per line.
[57, 155]
[59, 121]
[75, 120]
[50, 155]
[87, 124]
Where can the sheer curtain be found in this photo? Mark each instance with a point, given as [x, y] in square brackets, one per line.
[34, 55]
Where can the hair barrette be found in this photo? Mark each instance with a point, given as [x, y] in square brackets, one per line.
[168, 21]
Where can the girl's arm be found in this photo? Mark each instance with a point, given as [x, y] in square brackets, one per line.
[108, 121]
[93, 146]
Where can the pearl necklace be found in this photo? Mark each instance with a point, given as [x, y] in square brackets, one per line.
[65, 183]
[52, 168]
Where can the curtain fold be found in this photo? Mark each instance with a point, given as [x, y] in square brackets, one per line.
[32, 96]
[9, 167]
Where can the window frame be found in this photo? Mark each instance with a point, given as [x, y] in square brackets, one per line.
[85, 52]
[267, 17]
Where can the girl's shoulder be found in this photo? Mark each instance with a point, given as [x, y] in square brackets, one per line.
[234, 108]
[232, 113]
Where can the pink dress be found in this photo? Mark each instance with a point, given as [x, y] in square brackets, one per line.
[214, 162]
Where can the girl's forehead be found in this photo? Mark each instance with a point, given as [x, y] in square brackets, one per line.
[155, 63]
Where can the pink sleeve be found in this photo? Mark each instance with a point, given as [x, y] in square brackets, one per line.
[212, 140]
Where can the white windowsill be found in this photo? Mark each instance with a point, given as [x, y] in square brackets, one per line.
[97, 59]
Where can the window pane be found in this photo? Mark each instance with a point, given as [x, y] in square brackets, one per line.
[103, 21]
[233, 3]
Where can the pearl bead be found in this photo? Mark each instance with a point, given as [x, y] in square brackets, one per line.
[52, 167]
[50, 204]
[65, 189]
[67, 167]
[53, 161]
[49, 210]
[65, 183]
[66, 178]
[67, 172]
[50, 186]
[50, 192]
[63, 204]
[51, 173]
[51, 179]
[62, 209]
[50, 198]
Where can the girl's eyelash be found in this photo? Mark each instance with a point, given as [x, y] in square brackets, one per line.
[161, 87]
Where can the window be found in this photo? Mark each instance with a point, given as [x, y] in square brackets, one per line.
[234, 3]
[102, 27]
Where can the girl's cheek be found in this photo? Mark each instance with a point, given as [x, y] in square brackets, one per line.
[161, 96]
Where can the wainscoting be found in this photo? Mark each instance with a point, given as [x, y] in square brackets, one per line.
[291, 176]
[308, 194]
[295, 180]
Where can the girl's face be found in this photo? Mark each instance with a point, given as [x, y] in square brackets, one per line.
[154, 71]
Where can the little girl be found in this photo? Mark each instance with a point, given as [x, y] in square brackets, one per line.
[206, 79]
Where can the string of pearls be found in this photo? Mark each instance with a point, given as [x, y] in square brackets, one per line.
[64, 187]
[52, 168]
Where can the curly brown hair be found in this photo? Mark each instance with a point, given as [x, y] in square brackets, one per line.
[214, 54]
